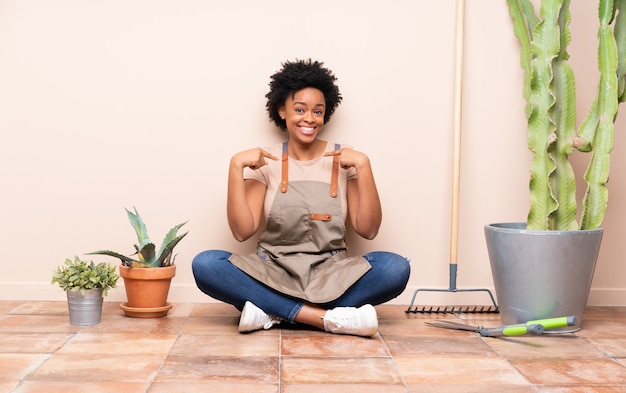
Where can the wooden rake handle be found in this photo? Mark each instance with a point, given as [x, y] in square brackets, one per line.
[456, 167]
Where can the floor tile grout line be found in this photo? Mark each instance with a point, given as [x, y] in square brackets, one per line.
[168, 353]
[508, 361]
[164, 360]
[21, 304]
[603, 352]
[50, 356]
[395, 364]
[280, 361]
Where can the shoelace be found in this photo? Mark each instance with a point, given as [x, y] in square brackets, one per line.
[271, 322]
[344, 321]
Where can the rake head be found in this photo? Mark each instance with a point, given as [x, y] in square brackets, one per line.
[453, 309]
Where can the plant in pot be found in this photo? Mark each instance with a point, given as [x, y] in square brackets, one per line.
[148, 272]
[544, 267]
[85, 284]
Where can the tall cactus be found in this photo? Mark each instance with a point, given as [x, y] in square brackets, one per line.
[550, 94]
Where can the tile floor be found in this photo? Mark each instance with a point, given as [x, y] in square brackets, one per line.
[196, 348]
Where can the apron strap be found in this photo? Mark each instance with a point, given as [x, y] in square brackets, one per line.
[334, 178]
[285, 169]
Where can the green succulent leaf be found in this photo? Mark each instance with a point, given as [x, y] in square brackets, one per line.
[140, 228]
[147, 256]
[125, 260]
[169, 248]
[166, 244]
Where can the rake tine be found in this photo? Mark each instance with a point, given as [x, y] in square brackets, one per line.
[454, 309]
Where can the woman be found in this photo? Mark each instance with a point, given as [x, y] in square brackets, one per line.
[302, 189]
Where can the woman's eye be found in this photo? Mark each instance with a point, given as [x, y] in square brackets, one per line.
[319, 113]
[299, 110]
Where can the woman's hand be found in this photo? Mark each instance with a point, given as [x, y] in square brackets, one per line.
[252, 158]
[349, 157]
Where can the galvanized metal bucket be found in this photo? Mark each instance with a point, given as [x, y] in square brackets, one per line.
[541, 274]
[85, 309]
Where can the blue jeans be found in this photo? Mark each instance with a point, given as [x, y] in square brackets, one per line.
[222, 280]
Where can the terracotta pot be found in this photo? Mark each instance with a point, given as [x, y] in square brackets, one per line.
[147, 290]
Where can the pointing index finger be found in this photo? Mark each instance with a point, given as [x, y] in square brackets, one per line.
[268, 155]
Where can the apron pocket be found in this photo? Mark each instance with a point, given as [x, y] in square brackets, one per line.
[291, 222]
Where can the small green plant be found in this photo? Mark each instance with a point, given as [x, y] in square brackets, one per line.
[80, 275]
[145, 249]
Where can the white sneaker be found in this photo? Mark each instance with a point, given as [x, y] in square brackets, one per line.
[253, 318]
[361, 321]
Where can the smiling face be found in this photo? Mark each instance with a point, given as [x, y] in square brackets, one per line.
[304, 114]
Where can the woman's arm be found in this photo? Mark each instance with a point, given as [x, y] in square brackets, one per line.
[245, 198]
[363, 200]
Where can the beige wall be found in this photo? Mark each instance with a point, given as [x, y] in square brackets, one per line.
[121, 103]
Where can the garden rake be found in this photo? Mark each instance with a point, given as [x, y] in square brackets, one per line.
[454, 231]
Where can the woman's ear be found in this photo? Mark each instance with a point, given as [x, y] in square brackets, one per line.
[281, 112]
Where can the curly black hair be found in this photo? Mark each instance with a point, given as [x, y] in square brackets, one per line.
[295, 76]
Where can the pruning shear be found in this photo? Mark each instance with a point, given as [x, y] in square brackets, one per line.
[530, 327]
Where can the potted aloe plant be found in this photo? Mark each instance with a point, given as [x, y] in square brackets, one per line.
[148, 272]
[85, 284]
[544, 267]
